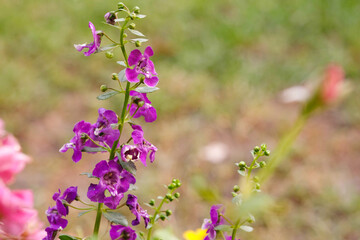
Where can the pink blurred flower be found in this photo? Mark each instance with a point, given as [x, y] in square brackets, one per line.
[330, 89]
[18, 218]
[12, 161]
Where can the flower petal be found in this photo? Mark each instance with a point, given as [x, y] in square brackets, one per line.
[131, 75]
[151, 82]
[134, 57]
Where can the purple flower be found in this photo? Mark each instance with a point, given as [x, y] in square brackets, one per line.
[102, 130]
[143, 65]
[114, 179]
[142, 107]
[135, 208]
[143, 145]
[119, 232]
[130, 153]
[69, 196]
[92, 47]
[78, 141]
[214, 221]
[56, 223]
[110, 18]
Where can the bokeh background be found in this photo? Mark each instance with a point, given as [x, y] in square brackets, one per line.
[222, 65]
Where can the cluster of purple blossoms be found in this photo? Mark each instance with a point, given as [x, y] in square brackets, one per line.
[101, 131]
[55, 214]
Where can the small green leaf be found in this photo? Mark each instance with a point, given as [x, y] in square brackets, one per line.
[136, 32]
[67, 237]
[139, 40]
[83, 213]
[242, 172]
[146, 89]
[119, 19]
[107, 95]
[89, 175]
[107, 47]
[224, 228]
[140, 16]
[128, 166]
[92, 149]
[246, 228]
[122, 76]
[122, 63]
[115, 217]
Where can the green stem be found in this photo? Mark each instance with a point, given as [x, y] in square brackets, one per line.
[97, 221]
[233, 235]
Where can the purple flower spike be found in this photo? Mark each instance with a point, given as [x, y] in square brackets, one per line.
[114, 179]
[146, 110]
[143, 145]
[92, 47]
[135, 208]
[69, 196]
[214, 221]
[119, 232]
[78, 141]
[102, 130]
[143, 65]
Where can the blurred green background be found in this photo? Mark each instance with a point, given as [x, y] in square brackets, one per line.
[222, 65]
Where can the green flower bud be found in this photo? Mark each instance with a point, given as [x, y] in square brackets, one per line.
[256, 178]
[256, 149]
[168, 196]
[175, 180]
[114, 76]
[137, 44]
[257, 186]
[171, 186]
[103, 88]
[162, 217]
[171, 199]
[132, 25]
[136, 9]
[262, 164]
[121, 5]
[178, 184]
[177, 195]
[168, 212]
[267, 153]
[133, 16]
[242, 165]
[236, 188]
[109, 55]
[125, 35]
[152, 202]
[263, 147]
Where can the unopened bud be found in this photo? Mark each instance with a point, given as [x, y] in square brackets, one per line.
[152, 202]
[177, 195]
[168, 196]
[162, 217]
[171, 186]
[257, 186]
[133, 16]
[110, 18]
[121, 5]
[132, 25]
[168, 212]
[262, 164]
[125, 35]
[109, 55]
[103, 88]
[263, 147]
[114, 76]
[236, 188]
[136, 9]
[137, 43]
[256, 149]
[242, 165]
[267, 153]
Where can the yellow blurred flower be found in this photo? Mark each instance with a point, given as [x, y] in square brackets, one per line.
[199, 234]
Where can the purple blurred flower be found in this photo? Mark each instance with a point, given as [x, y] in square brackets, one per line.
[135, 208]
[102, 130]
[92, 47]
[130, 153]
[143, 103]
[214, 221]
[78, 141]
[143, 65]
[143, 145]
[119, 232]
[69, 195]
[112, 178]
[56, 223]
[110, 18]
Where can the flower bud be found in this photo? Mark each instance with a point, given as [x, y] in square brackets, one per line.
[168, 212]
[177, 195]
[256, 178]
[152, 202]
[114, 76]
[136, 9]
[263, 147]
[110, 18]
[121, 5]
[257, 186]
[236, 188]
[168, 196]
[178, 184]
[262, 164]
[133, 16]
[132, 25]
[137, 44]
[103, 88]
[171, 186]
[242, 165]
[125, 35]
[256, 149]
[267, 153]
[162, 217]
[109, 55]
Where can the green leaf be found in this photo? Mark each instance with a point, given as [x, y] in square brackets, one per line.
[83, 213]
[146, 89]
[128, 166]
[92, 149]
[89, 175]
[107, 95]
[122, 63]
[140, 16]
[136, 32]
[224, 228]
[246, 228]
[67, 237]
[119, 19]
[107, 47]
[242, 172]
[139, 40]
[115, 217]
[122, 76]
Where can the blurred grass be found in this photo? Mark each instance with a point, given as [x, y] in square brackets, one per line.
[221, 64]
